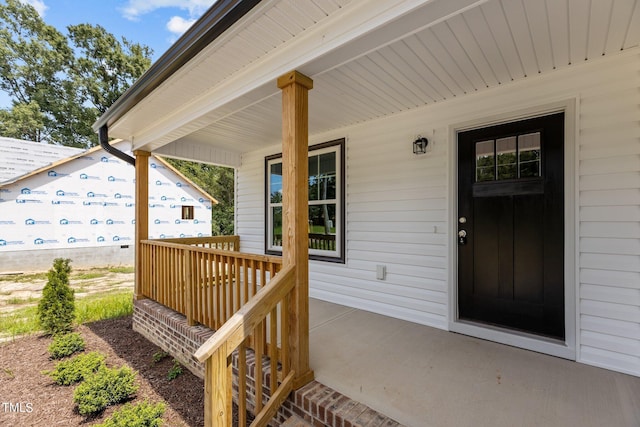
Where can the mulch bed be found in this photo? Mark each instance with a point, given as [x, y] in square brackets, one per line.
[43, 403]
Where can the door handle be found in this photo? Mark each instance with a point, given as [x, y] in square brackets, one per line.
[462, 237]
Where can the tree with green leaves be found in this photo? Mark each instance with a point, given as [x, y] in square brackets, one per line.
[217, 181]
[59, 84]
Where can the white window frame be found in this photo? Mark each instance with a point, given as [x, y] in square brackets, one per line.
[338, 255]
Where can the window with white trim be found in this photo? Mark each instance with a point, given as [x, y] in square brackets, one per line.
[326, 202]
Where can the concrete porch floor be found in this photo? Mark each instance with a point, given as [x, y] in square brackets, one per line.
[422, 376]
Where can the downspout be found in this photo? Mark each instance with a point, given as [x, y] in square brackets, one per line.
[103, 136]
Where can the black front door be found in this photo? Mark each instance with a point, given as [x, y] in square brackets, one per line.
[511, 225]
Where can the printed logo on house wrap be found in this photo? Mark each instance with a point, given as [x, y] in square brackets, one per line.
[91, 194]
[62, 193]
[65, 221]
[31, 221]
[122, 196]
[121, 238]
[27, 190]
[10, 242]
[85, 176]
[105, 159]
[73, 240]
[115, 179]
[63, 202]
[55, 174]
[28, 201]
[40, 241]
[114, 222]
[158, 182]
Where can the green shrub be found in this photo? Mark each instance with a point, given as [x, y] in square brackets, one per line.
[56, 308]
[175, 371]
[77, 369]
[143, 414]
[106, 387]
[65, 345]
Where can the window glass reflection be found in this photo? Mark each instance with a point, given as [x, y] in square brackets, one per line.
[485, 161]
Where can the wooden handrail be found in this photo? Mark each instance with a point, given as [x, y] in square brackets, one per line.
[172, 244]
[246, 324]
[244, 321]
[231, 243]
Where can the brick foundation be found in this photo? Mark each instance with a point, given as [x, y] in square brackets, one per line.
[318, 404]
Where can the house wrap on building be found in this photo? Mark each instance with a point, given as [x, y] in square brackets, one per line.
[65, 202]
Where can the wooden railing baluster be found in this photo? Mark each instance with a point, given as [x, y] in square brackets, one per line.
[244, 297]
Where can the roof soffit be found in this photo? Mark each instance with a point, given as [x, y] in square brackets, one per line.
[352, 31]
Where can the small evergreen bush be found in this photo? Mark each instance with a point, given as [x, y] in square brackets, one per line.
[143, 414]
[56, 307]
[106, 387]
[76, 369]
[65, 345]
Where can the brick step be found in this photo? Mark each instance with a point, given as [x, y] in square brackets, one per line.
[295, 421]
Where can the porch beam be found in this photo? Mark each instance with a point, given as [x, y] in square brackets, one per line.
[295, 225]
[142, 215]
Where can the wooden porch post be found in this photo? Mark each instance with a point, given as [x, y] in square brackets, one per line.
[295, 232]
[142, 215]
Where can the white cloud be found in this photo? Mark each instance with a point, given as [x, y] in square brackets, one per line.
[38, 5]
[178, 25]
[136, 8]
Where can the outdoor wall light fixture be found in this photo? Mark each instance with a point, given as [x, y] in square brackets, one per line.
[420, 145]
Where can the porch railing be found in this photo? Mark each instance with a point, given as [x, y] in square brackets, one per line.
[226, 243]
[199, 279]
[266, 313]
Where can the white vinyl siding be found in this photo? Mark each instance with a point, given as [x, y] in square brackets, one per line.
[398, 215]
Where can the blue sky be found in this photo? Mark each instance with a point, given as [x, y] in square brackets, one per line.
[155, 23]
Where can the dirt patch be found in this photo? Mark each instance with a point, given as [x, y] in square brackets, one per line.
[23, 290]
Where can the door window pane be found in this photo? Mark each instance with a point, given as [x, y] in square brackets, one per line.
[485, 161]
[529, 155]
[507, 158]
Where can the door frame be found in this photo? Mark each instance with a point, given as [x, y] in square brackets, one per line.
[567, 348]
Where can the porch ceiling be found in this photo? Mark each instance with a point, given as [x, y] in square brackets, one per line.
[406, 56]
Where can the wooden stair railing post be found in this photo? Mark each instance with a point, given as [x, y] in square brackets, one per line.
[218, 390]
[295, 225]
[142, 217]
